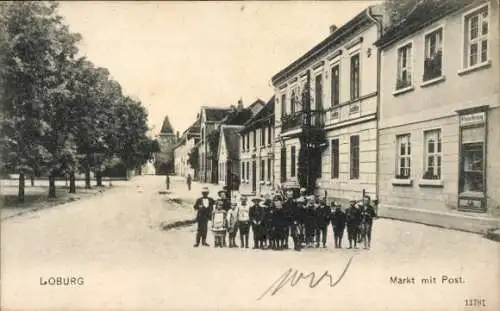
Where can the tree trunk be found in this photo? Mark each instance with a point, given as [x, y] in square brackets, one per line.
[52, 185]
[32, 178]
[72, 183]
[20, 195]
[98, 178]
[87, 178]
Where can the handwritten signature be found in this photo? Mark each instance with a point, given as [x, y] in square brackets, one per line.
[292, 277]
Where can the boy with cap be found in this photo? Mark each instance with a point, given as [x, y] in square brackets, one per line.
[367, 215]
[243, 219]
[322, 220]
[338, 224]
[256, 214]
[203, 207]
[352, 222]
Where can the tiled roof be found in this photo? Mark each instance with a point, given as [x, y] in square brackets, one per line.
[425, 13]
[232, 140]
[166, 127]
[215, 114]
[265, 112]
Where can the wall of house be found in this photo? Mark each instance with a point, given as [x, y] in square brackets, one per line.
[426, 106]
[455, 91]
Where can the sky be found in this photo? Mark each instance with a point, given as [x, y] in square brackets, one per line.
[178, 56]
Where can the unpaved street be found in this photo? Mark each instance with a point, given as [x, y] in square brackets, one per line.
[114, 243]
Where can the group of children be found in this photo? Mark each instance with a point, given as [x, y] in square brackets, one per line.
[274, 219]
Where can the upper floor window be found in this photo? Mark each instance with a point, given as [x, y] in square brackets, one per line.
[254, 138]
[318, 92]
[433, 55]
[355, 77]
[403, 163]
[263, 136]
[293, 102]
[335, 85]
[476, 38]
[432, 154]
[404, 67]
[293, 161]
[283, 104]
[335, 158]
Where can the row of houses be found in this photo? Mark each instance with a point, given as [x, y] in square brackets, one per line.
[407, 112]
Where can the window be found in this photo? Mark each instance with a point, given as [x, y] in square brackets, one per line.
[473, 167]
[283, 104]
[293, 102]
[263, 137]
[318, 92]
[432, 154]
[433, 55]
[254, 138]
[404, 67]
[242, 171]
[335, 85]
[355, 77]
[476, 38]
[269, 136]
[404, 157]
[292, 161]
[248, 170]
[354, 157]
[268, 169]
[262, 170]
[335, 158]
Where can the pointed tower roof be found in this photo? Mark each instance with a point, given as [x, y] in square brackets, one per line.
[166, 127]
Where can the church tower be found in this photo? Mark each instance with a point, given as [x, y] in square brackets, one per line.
[167, 139]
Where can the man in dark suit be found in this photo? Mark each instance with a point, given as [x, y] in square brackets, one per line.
[203, 207]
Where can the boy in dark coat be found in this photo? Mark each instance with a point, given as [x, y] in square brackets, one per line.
[203, 207]
[322, 220]
[256, 214]
[353, 220]
[270, 221]
[367, 215]
[338, 224]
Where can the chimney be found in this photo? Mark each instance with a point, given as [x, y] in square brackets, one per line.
[240, 104]
[333, 28]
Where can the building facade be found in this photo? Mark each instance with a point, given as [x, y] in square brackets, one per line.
[228, 156]
[257, 152]
[183, 149]
[439, 111]
[326, 111]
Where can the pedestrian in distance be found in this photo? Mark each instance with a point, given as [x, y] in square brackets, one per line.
[323, 215]
[243, 220]
[352, 223]
[232, 224]
[203, 207]
[167, 181]
[188, 181]
[219, 224]
[256, 214]
[338, 223]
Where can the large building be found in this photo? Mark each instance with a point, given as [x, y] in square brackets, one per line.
[326, 112]
[164, 160]
[228, 156]
[256, 151]
[439, 130]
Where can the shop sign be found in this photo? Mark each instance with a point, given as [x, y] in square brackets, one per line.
[472, 119]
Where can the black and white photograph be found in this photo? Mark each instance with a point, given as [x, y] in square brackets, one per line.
[250, 155]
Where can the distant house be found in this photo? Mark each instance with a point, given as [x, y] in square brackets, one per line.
[164, 161]
[439, 130]
[184, 147]
[256, 151]
[228, 156]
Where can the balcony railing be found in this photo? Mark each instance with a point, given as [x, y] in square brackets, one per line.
[298, 120]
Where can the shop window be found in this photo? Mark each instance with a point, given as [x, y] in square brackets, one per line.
[472, 167]
[432, 155]
[403, 162]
